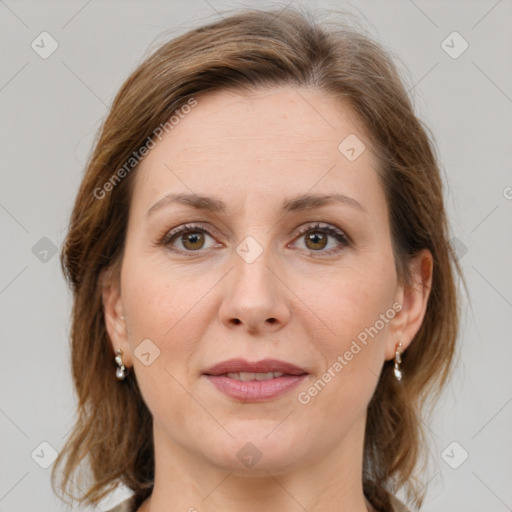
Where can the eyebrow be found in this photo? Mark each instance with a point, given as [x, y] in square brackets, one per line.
[299, 203]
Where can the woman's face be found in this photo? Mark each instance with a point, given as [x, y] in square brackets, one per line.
[267, 271]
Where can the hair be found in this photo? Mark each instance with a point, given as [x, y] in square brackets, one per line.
[248, 50]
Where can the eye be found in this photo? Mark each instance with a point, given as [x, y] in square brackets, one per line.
[316, 238]
[189, 238]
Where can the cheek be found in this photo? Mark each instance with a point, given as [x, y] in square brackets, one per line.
[158, 308]
[351, 299]
[352, 359]
[157, 298]
[162, 325]
[356, 306]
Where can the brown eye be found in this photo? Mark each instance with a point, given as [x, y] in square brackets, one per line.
[316, 240]
[193, 240]
[188, 239]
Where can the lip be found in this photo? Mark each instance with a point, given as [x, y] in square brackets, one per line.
[255, 391]
[264, 366]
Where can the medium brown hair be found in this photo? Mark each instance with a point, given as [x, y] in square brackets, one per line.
[250, 49]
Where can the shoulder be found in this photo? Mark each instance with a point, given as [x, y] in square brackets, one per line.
[397, 505]
[127, 505]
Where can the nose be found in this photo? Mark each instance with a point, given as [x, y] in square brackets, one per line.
[255, 296]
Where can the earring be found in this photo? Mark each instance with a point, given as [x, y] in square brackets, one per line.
[121, 370]
[398, 360]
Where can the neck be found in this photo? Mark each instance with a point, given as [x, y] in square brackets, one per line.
[328, 481]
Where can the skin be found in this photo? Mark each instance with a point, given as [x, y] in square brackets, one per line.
[294, 302]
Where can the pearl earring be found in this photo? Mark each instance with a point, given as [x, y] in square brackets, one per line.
[398, 360]
[121, 371]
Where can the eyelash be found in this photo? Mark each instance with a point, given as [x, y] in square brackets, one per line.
[316, 227]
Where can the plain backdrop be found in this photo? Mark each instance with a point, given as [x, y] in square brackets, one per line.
[51, 109]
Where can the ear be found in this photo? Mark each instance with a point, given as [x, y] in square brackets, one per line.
[114, 317]
[414, 299]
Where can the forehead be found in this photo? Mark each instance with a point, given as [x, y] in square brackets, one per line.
[266, 141]
[269, 123]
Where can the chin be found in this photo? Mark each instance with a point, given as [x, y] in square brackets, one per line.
[259, 451]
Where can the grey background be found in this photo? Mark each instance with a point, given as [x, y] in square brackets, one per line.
[51, 109]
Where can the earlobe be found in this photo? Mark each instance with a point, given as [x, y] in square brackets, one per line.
[414, 300]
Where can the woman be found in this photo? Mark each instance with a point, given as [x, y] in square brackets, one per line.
[263, 286]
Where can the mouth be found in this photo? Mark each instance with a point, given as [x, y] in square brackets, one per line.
[257, 381]
[250, 376]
